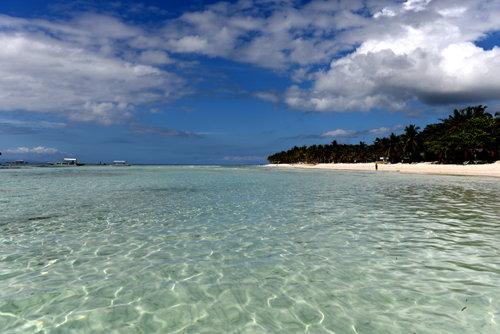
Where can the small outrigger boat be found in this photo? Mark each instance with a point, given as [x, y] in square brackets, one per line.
[67, 162]
[120, 163]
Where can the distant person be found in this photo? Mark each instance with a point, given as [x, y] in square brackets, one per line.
[376, 166]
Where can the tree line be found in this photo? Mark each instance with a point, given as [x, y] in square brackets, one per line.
[469, 134]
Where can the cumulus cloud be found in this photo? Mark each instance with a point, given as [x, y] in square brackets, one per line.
[341, 133]
[384, 130]
[154, 57]
[417, 51]
[270, 34]
[381, 53]
[337, 133]
[271, 95]
[347, 55]
[40, 150]
[51, 68]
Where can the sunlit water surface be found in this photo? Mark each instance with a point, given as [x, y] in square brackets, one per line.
[210, 249]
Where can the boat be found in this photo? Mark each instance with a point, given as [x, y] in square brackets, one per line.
[120, 163]
[67, 162]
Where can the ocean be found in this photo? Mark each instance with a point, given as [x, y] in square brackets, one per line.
[232, 249]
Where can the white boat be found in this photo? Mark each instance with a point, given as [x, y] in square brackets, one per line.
[120, 163]
[67, 162]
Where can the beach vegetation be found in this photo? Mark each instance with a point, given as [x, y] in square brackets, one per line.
[469, 135]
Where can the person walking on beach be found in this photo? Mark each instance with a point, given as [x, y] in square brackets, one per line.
[376, 166]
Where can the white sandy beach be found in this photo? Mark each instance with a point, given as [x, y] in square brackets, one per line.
[492, 170]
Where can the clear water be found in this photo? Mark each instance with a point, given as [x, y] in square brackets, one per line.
[207, 249]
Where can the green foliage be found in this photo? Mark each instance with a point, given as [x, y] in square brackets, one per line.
[470, 130]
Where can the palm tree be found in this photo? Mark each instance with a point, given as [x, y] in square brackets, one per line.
[377, 147]
[362, 150]
[390, 147]
[310, 153]
[334, 148]
[410, 141]
[478, 111]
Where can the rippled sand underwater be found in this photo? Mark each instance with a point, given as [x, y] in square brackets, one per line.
[211, 249]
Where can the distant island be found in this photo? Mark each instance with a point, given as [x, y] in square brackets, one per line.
[467, 135]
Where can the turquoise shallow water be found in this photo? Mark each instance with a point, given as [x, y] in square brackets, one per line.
[208, 249]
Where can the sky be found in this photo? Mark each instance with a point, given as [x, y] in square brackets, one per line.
[232, 82]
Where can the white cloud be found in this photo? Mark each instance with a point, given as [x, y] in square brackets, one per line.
[270, 34]
[384, 130]
[415, 5]
[429, 59]
[341, 133]
[355, 56]
[418, 50]
[338, 133]
[152, 57]
[105, 113]
[190, 44]
[269, 95]
[40, 150]
[40, 73]
[300, 74]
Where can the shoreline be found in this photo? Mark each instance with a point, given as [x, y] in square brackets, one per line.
[487, 170]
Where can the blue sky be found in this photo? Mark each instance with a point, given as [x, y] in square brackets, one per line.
[233, 82]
